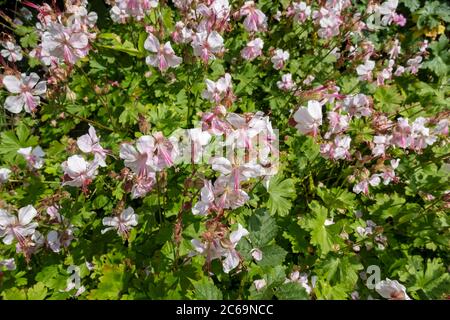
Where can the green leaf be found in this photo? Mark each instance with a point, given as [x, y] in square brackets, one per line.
[342, 271]
[388, 98]
[273, 255]
[37, 292]
[291, 291]
[14, 294]
[262, 228]
[206, 290]
[110, 283]
[279, 193]
[315, 223]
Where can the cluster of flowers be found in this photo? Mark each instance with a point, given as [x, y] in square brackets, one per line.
[64, 37]
[22, 228]
[336, 141]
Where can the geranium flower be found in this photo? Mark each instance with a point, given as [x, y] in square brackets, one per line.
[20, 227]
[364, 71]
[217, 91]
[139, 159]
[232, 258]
[279, 59]
[255, 19]
[122, 223]
[4, 175]
[12, 52]
[90, 143]
[78, 172]
[164, 57]
[253, 49]
[309, 118]
[206, 45]
[286, 83]
[392, 290]
[33, 157]
[28, 90]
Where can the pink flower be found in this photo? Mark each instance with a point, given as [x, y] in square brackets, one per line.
[33, 157]
[206, 45]
[143, 185]
[164, 56]
[65, 43]
[165, 151]
[286, 83]
[12, 52]
[4, 175]
[301, 11]
[20, 227]
[255, 19]
[308, 119]
[78, 172]
[399, 19]
[28, 90]
[234, 170]
[124, 9]
[139, 159]
[253, 49]
[401, 133]
[90, 143]
[414, 64]
[357, 105]
[364, 71]
[219, 90]
[392, 290]
[122, 223]
[279, 59]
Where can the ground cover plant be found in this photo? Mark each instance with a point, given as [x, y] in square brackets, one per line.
[219, 149]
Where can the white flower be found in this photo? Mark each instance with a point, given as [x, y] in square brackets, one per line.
[4, 175]
[216, 91]
[78, 172]
[90, 143]
[279, 59]
[28, 90]
[10, 264]
[34, 157]
[207, 45]
[309, 118]
[231, 256]
[12, 227]
[164, 57]
[392, 290]
[12, 52]
[253, 49]
[286, 82]
[139, 159]
[364, 71]
[259, 284]
[123, 223]
[257, 254]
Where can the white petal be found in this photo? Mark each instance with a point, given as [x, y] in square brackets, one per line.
[12, 84]
[26, 214]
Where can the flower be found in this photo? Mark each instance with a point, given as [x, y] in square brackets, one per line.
[301, 11]
[139, 159]
[259, 284]
[4, 175]
[236, 171]
[253, 49]
[364, 71]
[257, 254]
[12, 52]
[33, 157]
[392, 290]
[28, 90]
[300, 278]
[286, 83]
[12, 227]
[78, 172]
[217, 91]
[279, 59]
[10, 264]
[123, 9]
[206, 45]
[232, 258]
[309, 118]
[90, 143]
[123, 223]
[164, 57]
[68, 44]
[255, 19]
